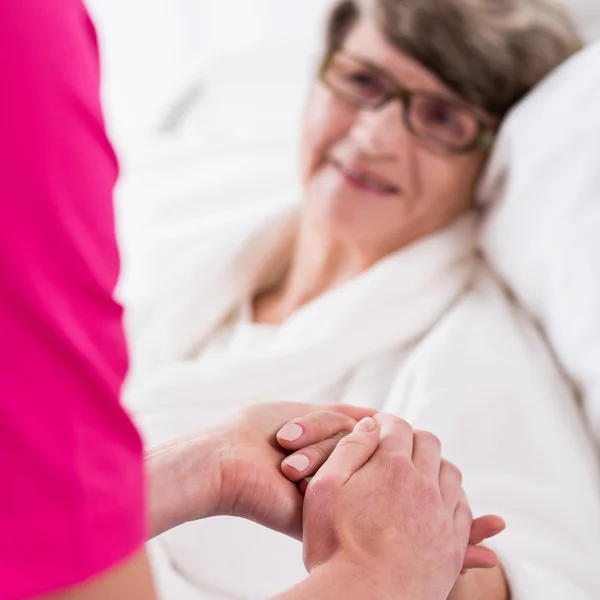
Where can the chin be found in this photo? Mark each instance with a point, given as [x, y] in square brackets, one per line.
[341, 217]
[345, 212]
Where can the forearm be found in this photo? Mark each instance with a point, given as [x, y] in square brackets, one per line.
[481, 584]
[182, 485]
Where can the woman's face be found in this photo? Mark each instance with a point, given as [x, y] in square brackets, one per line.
[367, 179]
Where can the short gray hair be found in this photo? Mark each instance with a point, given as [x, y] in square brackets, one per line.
[490, 52]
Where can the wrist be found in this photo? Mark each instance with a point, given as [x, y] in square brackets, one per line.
[360, 577]
[353, 580]
[184, 482]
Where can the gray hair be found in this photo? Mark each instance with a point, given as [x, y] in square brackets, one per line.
[490, 52]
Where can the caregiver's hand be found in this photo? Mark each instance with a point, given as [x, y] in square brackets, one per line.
[387, 507]
[311, 446]
[234, 469]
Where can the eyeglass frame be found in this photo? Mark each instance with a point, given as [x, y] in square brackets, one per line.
[484, 137]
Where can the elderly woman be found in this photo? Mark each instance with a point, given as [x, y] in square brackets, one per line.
[372, 293]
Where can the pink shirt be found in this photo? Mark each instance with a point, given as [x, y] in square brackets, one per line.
[71, 481]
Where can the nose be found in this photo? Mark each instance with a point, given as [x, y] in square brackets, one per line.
[382, 132]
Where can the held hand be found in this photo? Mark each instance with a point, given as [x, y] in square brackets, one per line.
[386, 504]
[311, 449]
[252, 485]
[234, 469]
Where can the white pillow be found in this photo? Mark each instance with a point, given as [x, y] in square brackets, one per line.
[542, 233]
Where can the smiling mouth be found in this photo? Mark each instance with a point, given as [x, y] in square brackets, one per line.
[365, 181]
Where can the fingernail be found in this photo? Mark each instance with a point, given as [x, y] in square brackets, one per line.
[369, 425]
[290, 433]
[300, 462]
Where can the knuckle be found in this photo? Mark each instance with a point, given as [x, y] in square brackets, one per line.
[323, 450]
[327, 416]
[386, 419]
[335, 440]
[404, 429]
[398, 464]
[328, 422]
[396, 427]
[402, 424]
[349, 441]
[311, 425]
[429, 439]
[452, 471]
[340, 435]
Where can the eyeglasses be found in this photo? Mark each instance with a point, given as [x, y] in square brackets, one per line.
[452, 126]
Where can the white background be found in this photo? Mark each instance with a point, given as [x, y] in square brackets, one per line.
[160, 54]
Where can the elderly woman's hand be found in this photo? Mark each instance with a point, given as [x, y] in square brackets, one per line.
[310, 440]
[386, 505]
[234, 469]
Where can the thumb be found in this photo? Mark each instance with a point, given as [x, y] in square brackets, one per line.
[352, 452]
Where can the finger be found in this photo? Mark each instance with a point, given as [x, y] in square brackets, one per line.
[486, 527]
[313, 428]
[427, 454]
[308, 461]
[463, 519]
[451, 485]
[396, 435]
[358, 413]
[352, 453]
[479, 557]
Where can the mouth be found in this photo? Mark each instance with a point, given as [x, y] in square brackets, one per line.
[365, 181]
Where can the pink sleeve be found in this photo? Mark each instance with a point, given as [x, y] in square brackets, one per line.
[71, 467]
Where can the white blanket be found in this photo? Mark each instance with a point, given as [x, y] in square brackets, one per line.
[427, 334]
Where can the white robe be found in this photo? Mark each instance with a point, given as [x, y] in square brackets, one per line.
[427, 334]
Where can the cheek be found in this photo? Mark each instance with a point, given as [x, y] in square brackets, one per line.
[466, 178]
[325, 123]
[449, 187]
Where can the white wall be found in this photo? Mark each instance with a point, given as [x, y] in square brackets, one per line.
[146, 58]
[156, 51]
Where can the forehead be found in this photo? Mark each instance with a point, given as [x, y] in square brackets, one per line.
[366, 41]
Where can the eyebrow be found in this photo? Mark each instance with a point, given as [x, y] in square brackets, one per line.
[445, 95]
